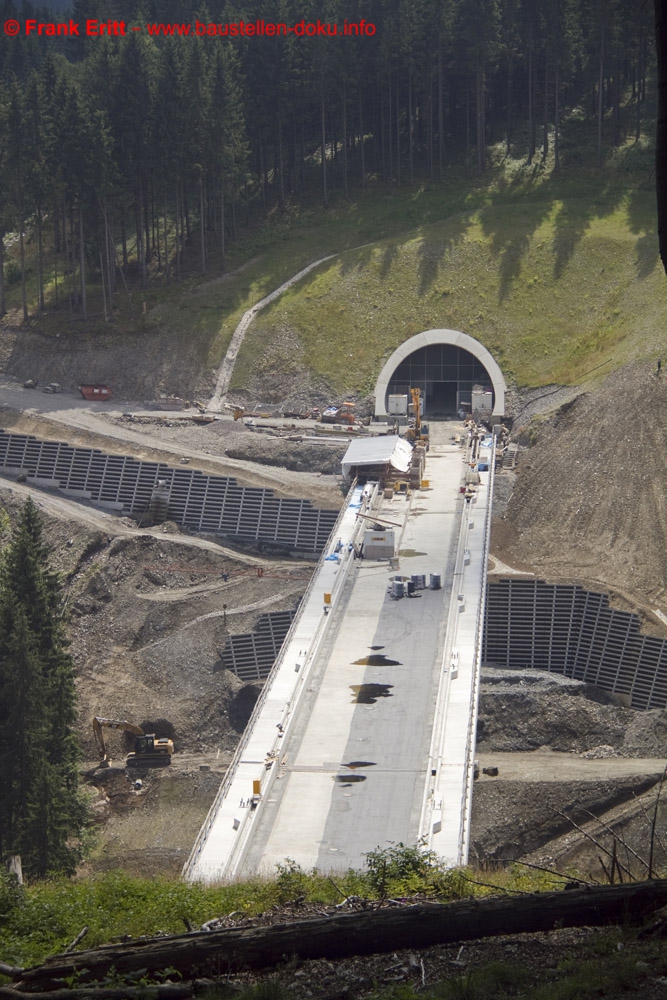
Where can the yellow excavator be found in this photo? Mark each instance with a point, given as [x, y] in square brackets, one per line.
[417, 431]
[148, 748]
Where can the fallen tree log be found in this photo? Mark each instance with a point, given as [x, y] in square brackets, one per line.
[161, 991]
[359, 933]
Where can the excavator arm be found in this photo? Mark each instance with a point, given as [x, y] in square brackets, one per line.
[148, 748]
[416, 407]
[98, 727]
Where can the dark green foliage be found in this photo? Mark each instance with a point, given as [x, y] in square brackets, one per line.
[404, 871]
[292, 881]
[11, 894]
[495, 980]
[138, 147]
[270, 989]
[40, 806]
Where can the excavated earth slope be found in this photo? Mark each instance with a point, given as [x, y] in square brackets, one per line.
[569, 760]
[585, 505]
[589, 503]
[147, 631]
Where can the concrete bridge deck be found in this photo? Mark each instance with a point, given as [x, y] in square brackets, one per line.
[366, 726]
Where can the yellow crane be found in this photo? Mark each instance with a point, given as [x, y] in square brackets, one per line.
[415, 433]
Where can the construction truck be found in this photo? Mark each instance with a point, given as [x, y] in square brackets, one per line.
[148, 748]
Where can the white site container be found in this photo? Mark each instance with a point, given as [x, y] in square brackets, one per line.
[397, 406]
[379, 544]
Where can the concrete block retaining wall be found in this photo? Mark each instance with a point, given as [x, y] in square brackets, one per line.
[571, 631]
[216, 504]
[251, 655]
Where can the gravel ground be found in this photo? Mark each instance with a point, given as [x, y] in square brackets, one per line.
[526, 710]
[288, 448]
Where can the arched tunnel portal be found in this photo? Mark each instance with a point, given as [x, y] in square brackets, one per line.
[448, 367]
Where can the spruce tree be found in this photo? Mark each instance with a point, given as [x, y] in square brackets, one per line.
[41, 810]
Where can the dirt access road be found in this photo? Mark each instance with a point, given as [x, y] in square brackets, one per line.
[548, 766]
[71, 418]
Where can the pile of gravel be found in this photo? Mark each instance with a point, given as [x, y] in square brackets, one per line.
[521, 710]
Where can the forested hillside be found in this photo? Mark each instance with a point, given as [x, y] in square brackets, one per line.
[135, 156]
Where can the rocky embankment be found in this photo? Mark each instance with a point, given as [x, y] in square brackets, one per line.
[575, 772]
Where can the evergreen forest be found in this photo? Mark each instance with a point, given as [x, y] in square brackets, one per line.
[42, 813]
[133, 158]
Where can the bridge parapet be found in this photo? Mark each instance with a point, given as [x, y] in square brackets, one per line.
[257, 757]
[445, 820]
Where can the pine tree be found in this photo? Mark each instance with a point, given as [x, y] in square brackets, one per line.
[229, 132]
[41, 810]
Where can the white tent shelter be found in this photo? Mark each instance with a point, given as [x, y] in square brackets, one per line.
[374, 455]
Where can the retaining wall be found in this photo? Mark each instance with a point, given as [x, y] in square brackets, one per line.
[216, 504]
[251, 655]
[568, 630]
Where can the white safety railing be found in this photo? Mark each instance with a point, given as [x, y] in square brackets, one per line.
[464, 841]
[458, 661]
[346, 557]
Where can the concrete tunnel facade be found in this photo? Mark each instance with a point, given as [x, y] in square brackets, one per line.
[444, 364]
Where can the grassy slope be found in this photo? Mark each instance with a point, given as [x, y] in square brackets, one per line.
[554, 276]
[263, 259]
[43, 918]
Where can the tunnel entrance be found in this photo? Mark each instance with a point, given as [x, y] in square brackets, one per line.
[446, 375]
[443, 398]
[455, 373]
